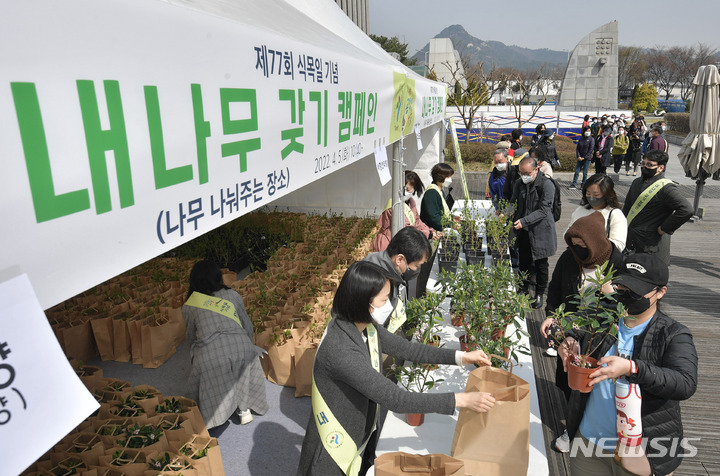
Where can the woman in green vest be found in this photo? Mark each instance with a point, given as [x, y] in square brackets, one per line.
[225, 375]
[348, 384]
[436, 204]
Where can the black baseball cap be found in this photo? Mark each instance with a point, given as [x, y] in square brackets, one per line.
[642, 272]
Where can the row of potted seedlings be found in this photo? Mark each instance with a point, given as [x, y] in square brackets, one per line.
[136, 432]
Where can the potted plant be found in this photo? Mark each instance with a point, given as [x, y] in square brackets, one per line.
[424, 318]
[597, 316]
[449, 247]
[498, 227]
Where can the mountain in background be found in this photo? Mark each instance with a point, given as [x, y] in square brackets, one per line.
[502, 55]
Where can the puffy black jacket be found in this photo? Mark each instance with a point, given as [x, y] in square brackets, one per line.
[666, 373]
[667, 209]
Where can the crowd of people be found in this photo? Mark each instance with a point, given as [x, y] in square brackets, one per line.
[349, 388]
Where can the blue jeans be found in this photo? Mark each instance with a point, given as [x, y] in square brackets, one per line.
[583, 165]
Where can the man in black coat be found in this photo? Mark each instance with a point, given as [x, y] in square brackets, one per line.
[664, 210]
[536, 239]
[650, 350]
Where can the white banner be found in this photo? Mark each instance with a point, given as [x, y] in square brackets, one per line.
[128, 127]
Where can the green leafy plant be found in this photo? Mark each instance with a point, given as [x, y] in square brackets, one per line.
[140, 436]
[127, 407]
[597, 315]
[168, 462]
[170, 406]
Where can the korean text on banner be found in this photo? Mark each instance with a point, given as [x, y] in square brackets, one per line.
[43, 399]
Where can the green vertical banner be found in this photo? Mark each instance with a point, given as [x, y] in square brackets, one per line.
[456, 145]
[403, 110]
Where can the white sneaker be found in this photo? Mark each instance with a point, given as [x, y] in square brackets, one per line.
[562, 443]
[551, 352]
[245, 417]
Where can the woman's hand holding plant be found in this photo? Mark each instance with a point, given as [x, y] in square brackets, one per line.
[616, 367]
[569, 347]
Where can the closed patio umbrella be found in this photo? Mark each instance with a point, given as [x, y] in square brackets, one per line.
[700, 151]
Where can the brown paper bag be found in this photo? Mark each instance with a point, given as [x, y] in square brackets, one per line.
[189, 410]
[121, 339]
[396, 463]
[79, 341]
[282, 363]
[496, 443]
[135, 467]
[135, 334]
[102, 330]
[211, 463]
[160, 337]
[304, 359]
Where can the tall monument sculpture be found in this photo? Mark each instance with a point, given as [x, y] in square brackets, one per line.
[591, 76]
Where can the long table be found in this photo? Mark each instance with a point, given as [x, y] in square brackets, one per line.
[435, 435]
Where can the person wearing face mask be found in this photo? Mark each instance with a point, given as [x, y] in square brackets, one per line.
[437, 201]
[634, 152]
[654, 208]
[598, 195]
[413, 186]
[657, 142]
[650, 350]
[620, 147]
[348, 386]
[603, 147]
[584, 153]
[588, 247]
[539, 135]
[402, 259]
[533, 224]
[497, 177]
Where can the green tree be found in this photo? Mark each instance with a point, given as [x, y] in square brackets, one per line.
[644, 98]
[394, 45]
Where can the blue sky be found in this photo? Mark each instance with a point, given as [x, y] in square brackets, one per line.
[553, 24]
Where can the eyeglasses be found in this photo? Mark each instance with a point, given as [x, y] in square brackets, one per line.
[649, 165]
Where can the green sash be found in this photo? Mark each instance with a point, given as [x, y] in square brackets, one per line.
[432, 186]
[398, 316]
[335, 439]
[645, 197]
[219, 305]
[408, 212]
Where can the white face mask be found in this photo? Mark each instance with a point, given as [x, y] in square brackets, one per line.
[447, 181]
[527, 179]
[380, 314]
[587, 133]
[407, 196]
[501, 166]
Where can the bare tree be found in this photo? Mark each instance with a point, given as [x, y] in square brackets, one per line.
[469, 88]
[522, 83]
[631, 65]
[660, 71]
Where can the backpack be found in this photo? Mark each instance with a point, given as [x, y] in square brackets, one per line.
[557, 201]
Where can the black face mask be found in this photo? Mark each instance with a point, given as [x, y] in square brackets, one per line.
[647, 173]
[580, 253]
[634, 304]
[410, 274]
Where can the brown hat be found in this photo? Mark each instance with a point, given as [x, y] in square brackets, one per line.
[591, 229]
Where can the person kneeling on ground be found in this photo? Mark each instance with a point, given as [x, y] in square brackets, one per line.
[225, 374]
